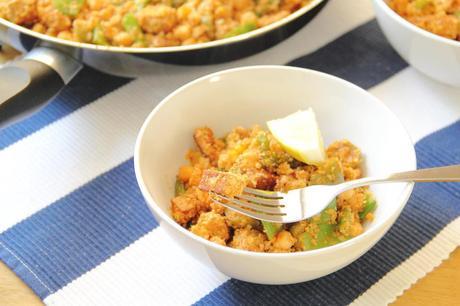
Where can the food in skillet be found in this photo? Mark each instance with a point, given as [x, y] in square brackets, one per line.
[258, 158]
[146, 23]
[441, 17]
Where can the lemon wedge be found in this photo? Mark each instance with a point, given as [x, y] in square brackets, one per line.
[300, 136]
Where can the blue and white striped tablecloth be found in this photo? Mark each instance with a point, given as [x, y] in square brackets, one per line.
[74, 226]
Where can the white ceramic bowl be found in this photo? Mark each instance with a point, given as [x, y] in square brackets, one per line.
[433, 55]
[250, 95]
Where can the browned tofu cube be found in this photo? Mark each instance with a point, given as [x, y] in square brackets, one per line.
[208, 144]
[225, 183]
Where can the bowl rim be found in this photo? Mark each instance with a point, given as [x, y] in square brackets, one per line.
[399, 19]
[330, 249]
[158, 50]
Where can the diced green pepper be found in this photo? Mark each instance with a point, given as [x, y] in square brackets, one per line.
[69, 7]
[179, 188]
[325, 216]
[421, 4]
[330, 172]
[241, 29]
[263, 141]
[457, 14]
[130, 23]
[326, 229]
[325, 237]
[98, 37]
[369, 206]
[307, 242]
[271, 229]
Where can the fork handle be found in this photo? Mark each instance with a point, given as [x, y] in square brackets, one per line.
[438, 174]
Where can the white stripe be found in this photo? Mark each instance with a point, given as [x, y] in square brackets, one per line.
[152, 271]
[63, 156]
[393, 284]
[56, 160]
[421, 104]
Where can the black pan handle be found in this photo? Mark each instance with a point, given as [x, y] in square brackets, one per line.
[28, 84]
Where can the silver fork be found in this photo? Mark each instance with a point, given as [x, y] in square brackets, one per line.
[301, 204]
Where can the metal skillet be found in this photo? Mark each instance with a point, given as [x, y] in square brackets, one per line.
[27, 84]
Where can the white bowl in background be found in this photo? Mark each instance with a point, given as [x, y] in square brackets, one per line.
[253, 95]
[431, 54]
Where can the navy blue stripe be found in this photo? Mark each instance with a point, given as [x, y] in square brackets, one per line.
[79, 231]
[87, 86]
[362, 56]
[430, 208]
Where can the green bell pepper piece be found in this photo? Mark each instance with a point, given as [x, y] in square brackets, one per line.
[330, 172]
[370, 204]
[271, 229]
[69, 7]
[98, 37]
[241, 29]
[179, 188]
[325, 235]
[130, 23]
[323, 239]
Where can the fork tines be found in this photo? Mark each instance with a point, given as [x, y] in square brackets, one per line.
[263, 193]
[259, 204]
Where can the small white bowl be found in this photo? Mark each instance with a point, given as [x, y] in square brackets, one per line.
[253, 95]
[431, 54]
